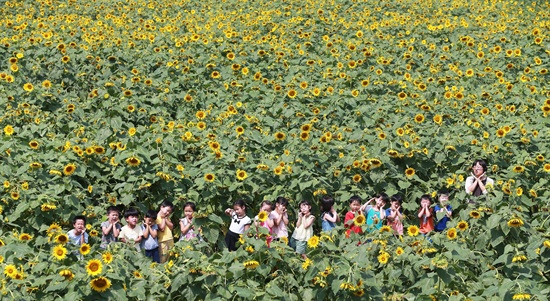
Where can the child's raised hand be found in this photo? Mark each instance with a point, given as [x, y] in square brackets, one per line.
[228, 211]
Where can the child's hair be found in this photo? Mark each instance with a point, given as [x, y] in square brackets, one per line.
[167, 204]
[326, 203]
[82, 217]
[282, 201]
[355, 198]
[482, 163]
[426, 197]
[266, 202]
[304, 202]
[384, 197]
[396, 198]
[151, 214]
[241, 203]
[190, 204]
[131, 212]
[112, 208]
[443, 191]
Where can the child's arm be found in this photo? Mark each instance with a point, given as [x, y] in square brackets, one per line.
[270, 222]
[364, 206]
[83, 237]
[169, 223]
[299, 221]
[162, 224]
[421, 212]
[146, 232]
[334, 218]
[184, 227]
[107, 229]
[428, 212]
[309, 221]
[228, 211]
[246, 227]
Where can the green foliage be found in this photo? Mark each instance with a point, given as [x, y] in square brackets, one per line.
[132, 103]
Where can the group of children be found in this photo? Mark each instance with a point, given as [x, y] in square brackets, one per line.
[153, 236]
[373, 212]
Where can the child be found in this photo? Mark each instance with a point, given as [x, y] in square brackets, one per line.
[443, 207]
[329, 216]
[267, 207]
[354, 206]
[425, 214]
[164, 233]
[78, 235]
[111, 227]
[304, 229]
[239, 224]
[394, 214]
[375, 213]
[280, 219]
[186, 223]
[131, 233]
[149, 243]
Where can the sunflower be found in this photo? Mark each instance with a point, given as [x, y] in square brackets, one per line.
[292, 93]
[94, 267]
[313, 242]
[68, 274]
[59, 252]
[451, 233]
[251, 264]
[10, 270]
[241, 175]
[100, 284]
[278, 170]
[438, 119]
[85, 249]
[521, 296]
[383, 258]
[280, 136]
[25, 237]
[133, 161]
[546, 167]
[475, 214]
[356, 178]
[359, 220]
[62, 238]
[515, 222]
[409, 172]
[209, 177]
[239, 130]
[69, 169]
[399, 251]
[462, 225]
[28, 87]
[519, 258]
[419, 118]
[34, 144]
[385, 229]
[413, 230]
[35, 165]
[137, 275]
[305, 135]
[518, 169]
[546, 244]
[53, 228]
[107, 257]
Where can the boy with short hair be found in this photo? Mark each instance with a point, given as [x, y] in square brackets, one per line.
[444, 207]
[425, 214]
[164, 233]
[111, 227]
[149, 242]
[78, 235]
[131, 233]
[354, 210]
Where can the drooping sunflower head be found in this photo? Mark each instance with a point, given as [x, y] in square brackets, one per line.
[100, 284]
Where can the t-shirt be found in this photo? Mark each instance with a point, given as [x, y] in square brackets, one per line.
[348, 223]
[280, 230]
[129, 234]
[165, 235]
[190, 233]
[396, 224]
[239, 223]
[75, 239]
[326, 225]
[374, 219]
[149, 243]
[302, 233]
[109, 238]
[442, 224]
[427, 223]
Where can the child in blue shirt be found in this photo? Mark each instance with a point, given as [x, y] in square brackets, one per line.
[329, 216]
[149, 243]
[443, 207]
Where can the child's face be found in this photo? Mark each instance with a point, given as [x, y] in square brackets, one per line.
[79, 226]
[113, 216]
[477, 170]
[305, 208]
[132, 220]
[443, 199]
[280, 207]
[266, 208]
[149, 221]
[425, 202]
[239, 211]
[380, 203]
[354, 206]
[165, 211]
[394, 205]
[188, 212]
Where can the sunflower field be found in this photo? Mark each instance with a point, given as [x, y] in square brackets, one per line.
[133, 102]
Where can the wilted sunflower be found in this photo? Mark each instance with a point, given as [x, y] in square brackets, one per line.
[515, 222]
[100, 284]
[251, 264]
[68, 274]
[133, 161]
